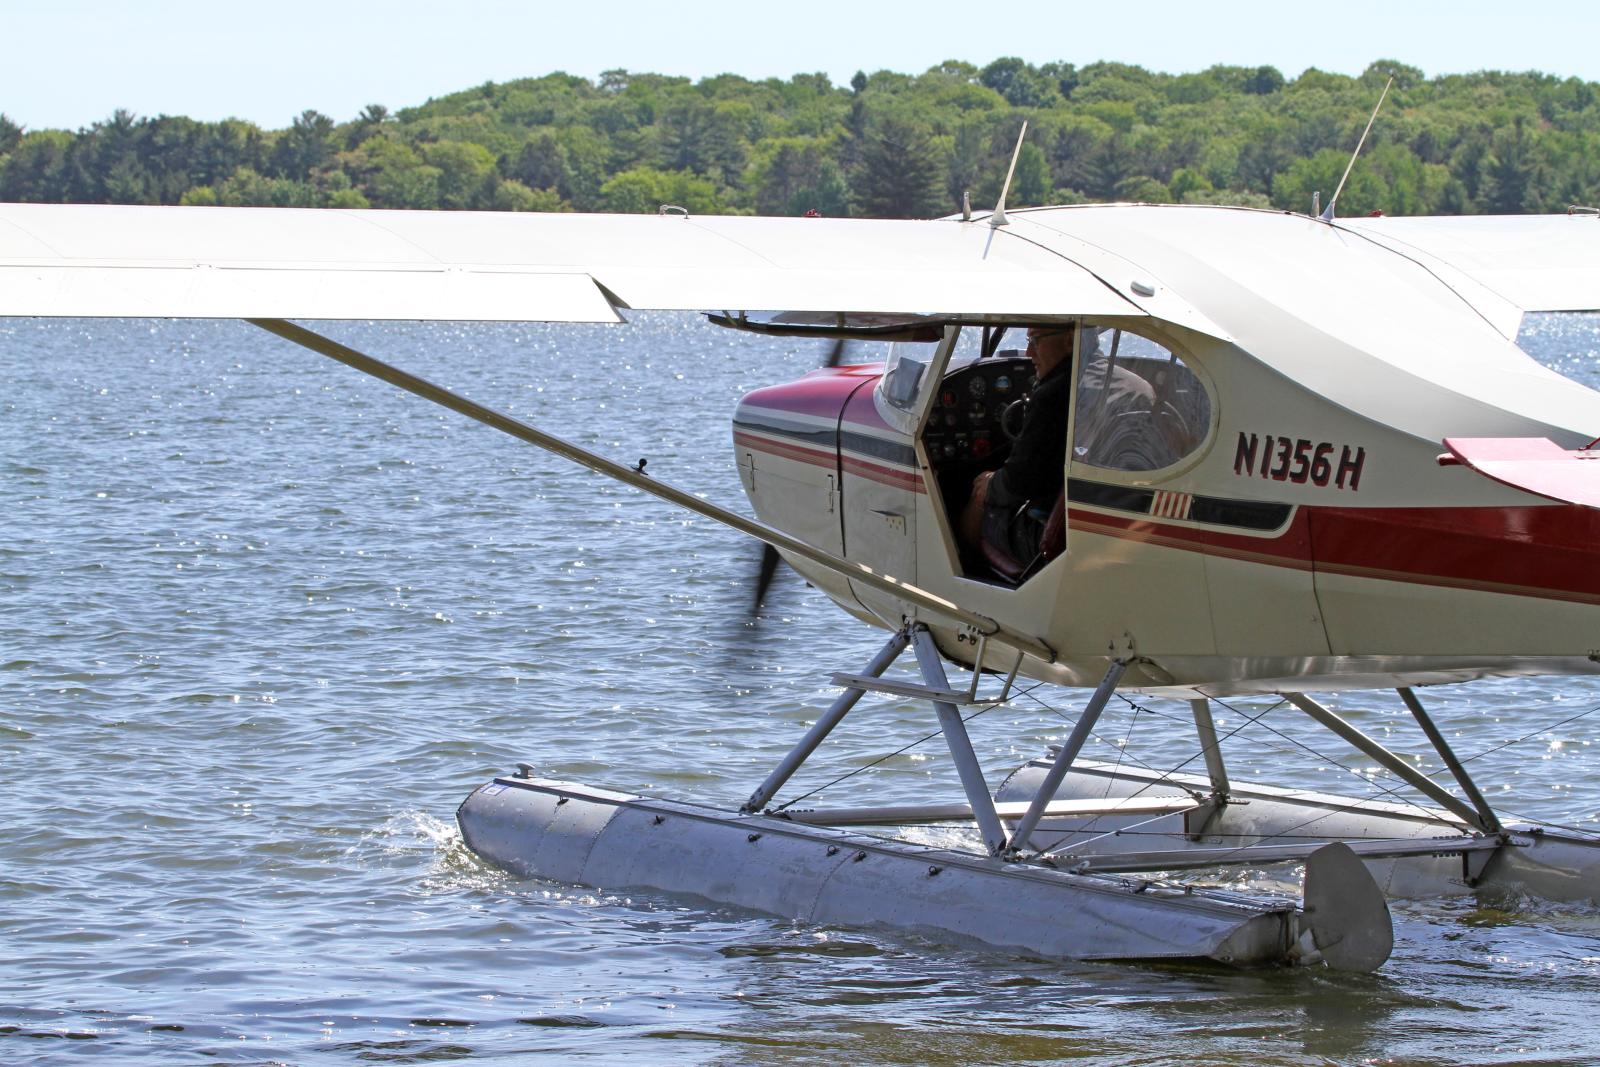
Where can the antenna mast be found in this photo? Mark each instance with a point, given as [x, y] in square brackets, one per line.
[998, 218]
[1327, 212]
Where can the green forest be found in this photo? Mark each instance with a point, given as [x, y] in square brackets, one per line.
[888, 145]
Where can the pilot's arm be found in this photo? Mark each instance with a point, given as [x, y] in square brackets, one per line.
[1033, 471]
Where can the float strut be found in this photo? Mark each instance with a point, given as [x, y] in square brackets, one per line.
[955, 735]
[824, 726]
[1419, 781]
[1209, 747]
[1491, 822]
[1066, 754]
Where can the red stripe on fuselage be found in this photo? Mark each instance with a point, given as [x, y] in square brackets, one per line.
[1551, 552]
[1292, 548]
[852, 464]
[894, 476]
[788, 450]
[1547, 552]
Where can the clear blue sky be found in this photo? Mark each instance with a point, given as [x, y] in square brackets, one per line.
[68, 63]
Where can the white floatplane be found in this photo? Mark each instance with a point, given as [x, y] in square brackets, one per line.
[1303, 455]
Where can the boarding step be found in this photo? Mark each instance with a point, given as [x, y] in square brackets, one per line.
[868, 684]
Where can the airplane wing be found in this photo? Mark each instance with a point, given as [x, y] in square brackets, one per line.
[268, 266]
[1534, 262]
[83, 260]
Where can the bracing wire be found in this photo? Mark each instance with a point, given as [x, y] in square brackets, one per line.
[1165, 777]
[1289, 832]
[889, 756]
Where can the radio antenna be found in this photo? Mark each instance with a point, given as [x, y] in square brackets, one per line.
[1327, 212]
[998, 218]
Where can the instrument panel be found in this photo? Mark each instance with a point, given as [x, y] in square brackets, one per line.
[964, 427]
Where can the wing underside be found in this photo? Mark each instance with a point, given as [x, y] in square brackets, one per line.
[98, 260]
[79, 260]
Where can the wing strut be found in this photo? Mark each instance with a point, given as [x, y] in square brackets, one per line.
[523, 431]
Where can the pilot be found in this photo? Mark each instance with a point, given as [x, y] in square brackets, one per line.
[1009, 507]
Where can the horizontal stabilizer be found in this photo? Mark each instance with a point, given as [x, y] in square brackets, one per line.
[1533, 464]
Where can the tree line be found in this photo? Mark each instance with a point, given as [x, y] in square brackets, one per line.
[888, 145]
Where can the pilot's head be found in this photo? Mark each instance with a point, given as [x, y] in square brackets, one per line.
[1048, 347]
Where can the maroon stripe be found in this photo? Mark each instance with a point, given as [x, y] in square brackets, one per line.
[1549, 552]
[1292, 549]
[879, 473]
[1553, 552]
[785, 449]
[854, 464]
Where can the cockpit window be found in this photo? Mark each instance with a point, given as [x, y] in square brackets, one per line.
[1138, 407]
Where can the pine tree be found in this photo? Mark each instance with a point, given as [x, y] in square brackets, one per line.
[899, 174]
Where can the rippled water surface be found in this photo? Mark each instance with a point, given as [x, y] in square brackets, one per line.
[266, 622]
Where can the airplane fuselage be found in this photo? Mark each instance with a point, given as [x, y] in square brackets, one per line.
[1299, 546]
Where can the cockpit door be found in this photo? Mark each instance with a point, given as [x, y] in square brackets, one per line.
[880, 473]
[1141, 417]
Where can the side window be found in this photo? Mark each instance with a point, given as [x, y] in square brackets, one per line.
[1137, 406]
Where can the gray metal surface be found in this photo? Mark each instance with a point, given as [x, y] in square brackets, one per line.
[897, 688]
[955, 736]
[1066, 754]
[1194, 858]
[1210, 747]
[1448, 860]
[912, 814]
[613, 841]
[1486, 815]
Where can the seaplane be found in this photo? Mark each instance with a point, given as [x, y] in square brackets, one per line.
[1302, 455]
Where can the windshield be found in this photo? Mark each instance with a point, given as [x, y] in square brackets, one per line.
[904, 372]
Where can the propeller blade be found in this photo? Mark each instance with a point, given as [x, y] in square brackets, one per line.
[769, 567]
[836, 353]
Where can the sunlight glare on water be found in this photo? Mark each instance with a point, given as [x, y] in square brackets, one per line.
[268, 622]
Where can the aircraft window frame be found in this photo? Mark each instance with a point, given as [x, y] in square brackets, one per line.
[1146, 331]
[907, 412]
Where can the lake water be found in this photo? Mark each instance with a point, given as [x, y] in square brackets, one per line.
[266, 622]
